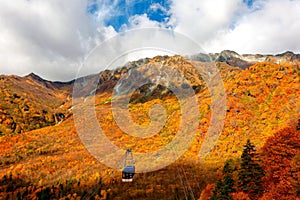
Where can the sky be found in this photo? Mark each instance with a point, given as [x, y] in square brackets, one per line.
[53, 37]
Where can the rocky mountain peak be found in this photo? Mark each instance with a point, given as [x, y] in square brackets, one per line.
[34, 76]
[244, 61]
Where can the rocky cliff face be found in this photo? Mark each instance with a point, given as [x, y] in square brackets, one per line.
[146, 79]
[160, 77]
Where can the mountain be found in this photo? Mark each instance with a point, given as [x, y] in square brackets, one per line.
[246, 60]
[47, 159]
[30, 102]
[62, 86]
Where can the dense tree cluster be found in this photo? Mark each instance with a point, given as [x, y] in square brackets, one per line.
[273, 173]
[281, 163]
[249, 177]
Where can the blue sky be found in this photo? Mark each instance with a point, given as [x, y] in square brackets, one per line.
[155, 10]
[248, 2]
[41, 36]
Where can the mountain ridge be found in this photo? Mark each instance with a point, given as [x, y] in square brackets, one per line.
[245, 60]
[230, 57]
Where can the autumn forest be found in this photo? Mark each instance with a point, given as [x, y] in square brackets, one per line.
[257, 155]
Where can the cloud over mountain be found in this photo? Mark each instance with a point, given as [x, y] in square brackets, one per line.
[51, 38]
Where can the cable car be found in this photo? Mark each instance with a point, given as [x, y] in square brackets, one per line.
[129, 168]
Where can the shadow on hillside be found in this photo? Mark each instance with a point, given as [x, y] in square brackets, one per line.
[178, 181]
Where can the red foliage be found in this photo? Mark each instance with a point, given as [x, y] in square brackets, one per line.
[278, 153]
[207, 192]
[240, 196]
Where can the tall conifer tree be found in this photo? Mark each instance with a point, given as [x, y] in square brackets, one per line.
[251, 173]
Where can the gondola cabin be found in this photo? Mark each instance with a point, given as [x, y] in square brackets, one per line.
[128, 171]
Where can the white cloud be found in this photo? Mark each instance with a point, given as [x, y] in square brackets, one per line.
[272, 29]
[142, 21]
[139, 22]
[270, 26]
[51, 37]
[135, 44]
[156, 7]
[46, 37]
[202, 20]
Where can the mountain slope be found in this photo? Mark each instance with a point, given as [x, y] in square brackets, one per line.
[28, 103]
[261, 100]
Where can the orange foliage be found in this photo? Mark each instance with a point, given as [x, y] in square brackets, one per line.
[260, 101]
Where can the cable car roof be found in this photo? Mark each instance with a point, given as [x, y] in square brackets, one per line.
[129, 169]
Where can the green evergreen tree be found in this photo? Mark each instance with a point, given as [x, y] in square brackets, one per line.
[228, 182]
[227, 169]
[228, 187]
[217, 190]
[250, 173]
[224, 187]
